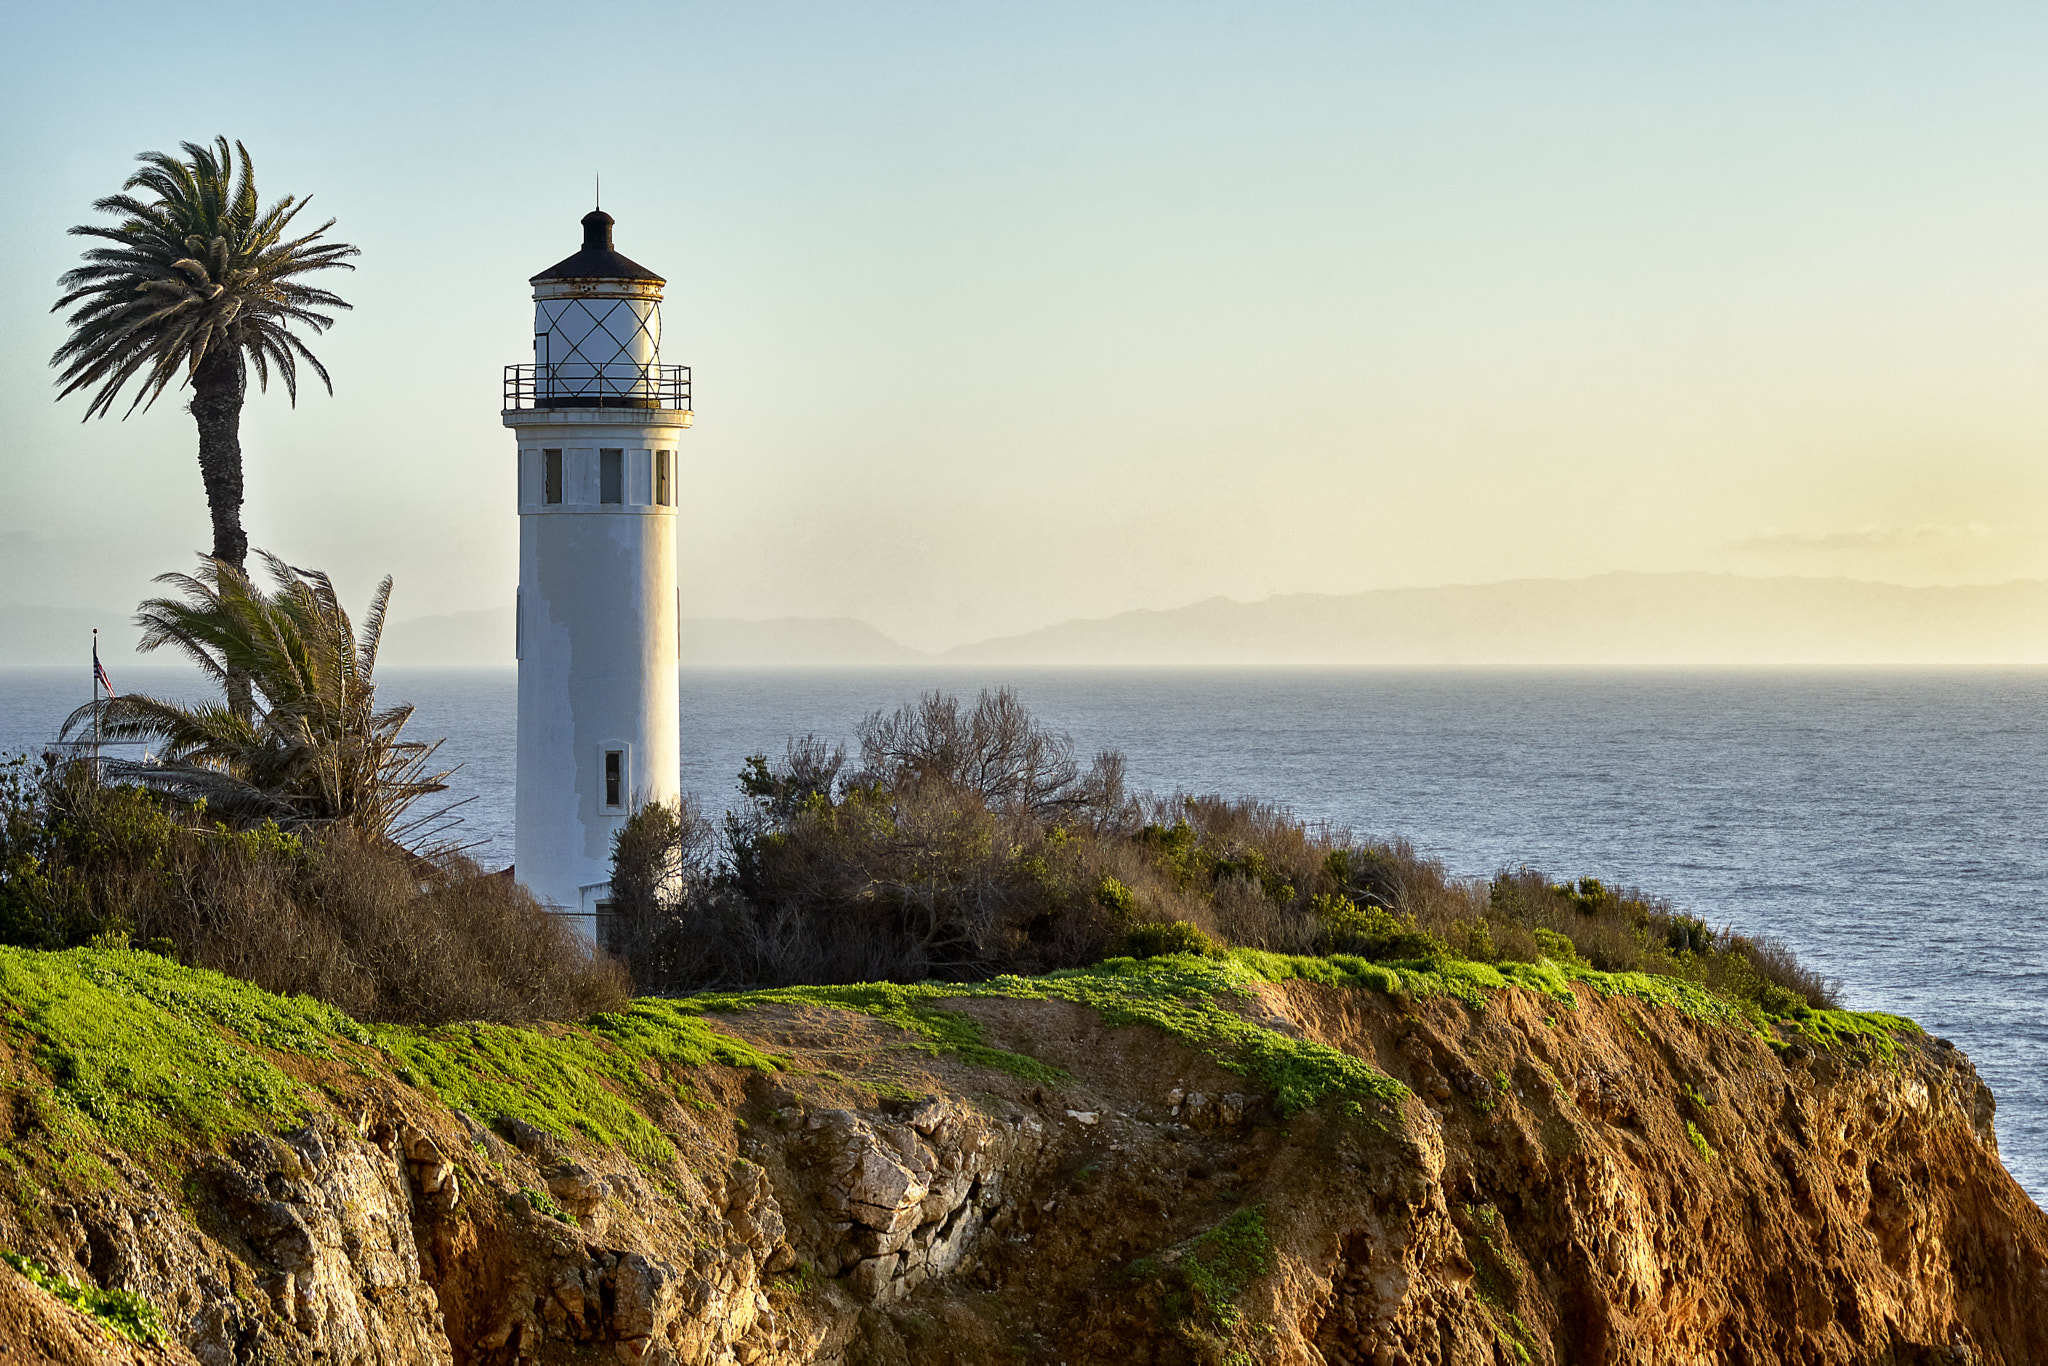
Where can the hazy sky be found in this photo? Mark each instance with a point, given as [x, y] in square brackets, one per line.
[1006, 314]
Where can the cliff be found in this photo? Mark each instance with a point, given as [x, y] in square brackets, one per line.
[1259, 1160]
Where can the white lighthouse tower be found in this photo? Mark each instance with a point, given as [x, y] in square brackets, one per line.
[597, 416]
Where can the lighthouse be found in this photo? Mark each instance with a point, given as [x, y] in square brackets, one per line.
[597, 417]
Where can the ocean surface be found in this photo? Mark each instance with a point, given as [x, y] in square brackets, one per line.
[1889, 826]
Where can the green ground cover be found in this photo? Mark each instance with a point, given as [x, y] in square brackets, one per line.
[153, 1054]
[1181, 995]
[118, 1311]
[1834, 1029]
[581, 1080]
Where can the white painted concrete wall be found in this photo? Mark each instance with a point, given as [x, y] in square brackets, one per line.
[597, 644]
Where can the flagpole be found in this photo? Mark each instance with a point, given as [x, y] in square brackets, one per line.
[95, 703]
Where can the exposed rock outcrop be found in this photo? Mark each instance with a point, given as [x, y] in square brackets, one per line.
[1608, 1181]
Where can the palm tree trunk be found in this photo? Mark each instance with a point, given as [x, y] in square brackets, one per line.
[217, 389]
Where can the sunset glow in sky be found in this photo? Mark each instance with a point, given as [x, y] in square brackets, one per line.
[1006, 314]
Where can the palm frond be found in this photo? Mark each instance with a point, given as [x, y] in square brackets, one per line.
[373, 632]
[314, 748]
[197, 222]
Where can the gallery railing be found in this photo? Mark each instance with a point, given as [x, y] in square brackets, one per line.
[582, 385]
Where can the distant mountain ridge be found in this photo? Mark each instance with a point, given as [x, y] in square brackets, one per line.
[1617, 619]
[1620, 619]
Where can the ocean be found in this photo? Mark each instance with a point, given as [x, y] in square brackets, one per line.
[1888, 825]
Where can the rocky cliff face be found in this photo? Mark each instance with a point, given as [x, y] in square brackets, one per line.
[1578, 1176]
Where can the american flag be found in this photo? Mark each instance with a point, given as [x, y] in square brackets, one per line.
[99, 670]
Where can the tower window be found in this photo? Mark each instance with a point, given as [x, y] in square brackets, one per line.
[611, 928]
[611, 476]
[615, 779]
[551, 476]
[662, 496]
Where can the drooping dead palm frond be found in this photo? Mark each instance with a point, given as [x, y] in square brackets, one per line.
[314, 748]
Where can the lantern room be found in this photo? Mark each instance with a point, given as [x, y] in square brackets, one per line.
[597, 334]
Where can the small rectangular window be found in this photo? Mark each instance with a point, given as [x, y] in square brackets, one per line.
[610, 927]
[614, 778]
[662, 496]
[611, 476]
[551, 476]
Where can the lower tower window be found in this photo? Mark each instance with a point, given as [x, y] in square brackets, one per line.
[611, 476]
[614, 779]
[551, 476]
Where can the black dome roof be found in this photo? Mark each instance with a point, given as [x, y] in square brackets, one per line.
[597, 260]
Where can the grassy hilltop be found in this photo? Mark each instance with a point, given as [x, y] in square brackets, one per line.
[153, 1057]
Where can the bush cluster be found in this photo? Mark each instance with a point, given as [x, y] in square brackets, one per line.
[384, 933]
[1623, 930]
[958, 842]
[955, 842]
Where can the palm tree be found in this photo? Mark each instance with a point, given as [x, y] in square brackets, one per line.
[199, 282]
[313, 749]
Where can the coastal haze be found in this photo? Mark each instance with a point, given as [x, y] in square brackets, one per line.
[1616, 620]
[1003, 318]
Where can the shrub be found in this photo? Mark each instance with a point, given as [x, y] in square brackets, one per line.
[1371, 877]
[969, 843]
[1119, 900]
[1556, 947]
[1617, 929]
[1778, 970]
[1687, 934]
[1157, 938]
[994, 750]
[381, 932]
[1242, 912]
[1372, 931]
[662, 857]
